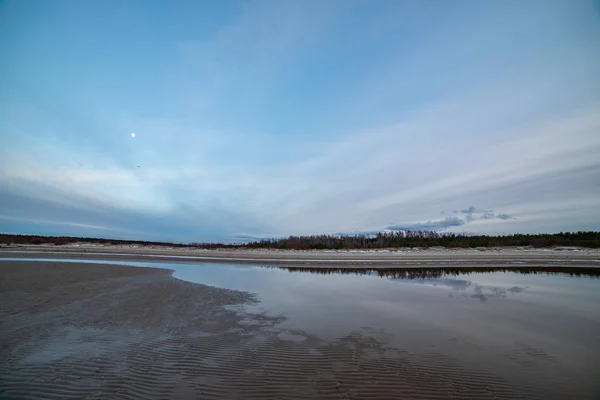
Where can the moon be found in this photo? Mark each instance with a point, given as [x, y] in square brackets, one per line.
[132, 134]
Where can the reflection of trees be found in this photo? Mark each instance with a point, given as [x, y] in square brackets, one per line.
[433, 273]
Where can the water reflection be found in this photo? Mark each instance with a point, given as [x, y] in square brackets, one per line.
[467, 289]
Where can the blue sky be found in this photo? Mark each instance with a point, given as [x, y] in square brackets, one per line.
[270, 118]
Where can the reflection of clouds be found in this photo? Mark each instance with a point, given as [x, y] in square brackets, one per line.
[468, 289]
[481, 297]
[455, 284]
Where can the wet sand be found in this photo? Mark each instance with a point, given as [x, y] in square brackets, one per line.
[72, 330]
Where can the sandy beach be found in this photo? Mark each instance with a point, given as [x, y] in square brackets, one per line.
[73, 330]
[400, 257]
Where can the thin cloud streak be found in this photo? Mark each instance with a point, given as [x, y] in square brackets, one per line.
[46, 222]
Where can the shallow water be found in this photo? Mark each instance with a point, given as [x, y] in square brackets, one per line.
[539, 330]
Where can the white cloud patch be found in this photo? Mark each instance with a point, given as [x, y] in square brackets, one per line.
[462, 217]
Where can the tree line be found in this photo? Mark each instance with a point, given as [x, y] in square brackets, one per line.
[426, 239]
[383, 240]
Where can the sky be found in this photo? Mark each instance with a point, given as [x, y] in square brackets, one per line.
[260, 119]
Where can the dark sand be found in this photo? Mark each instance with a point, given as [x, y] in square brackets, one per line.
[94, 332]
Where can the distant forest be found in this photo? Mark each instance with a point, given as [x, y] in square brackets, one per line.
[426, 239]
[384, 240]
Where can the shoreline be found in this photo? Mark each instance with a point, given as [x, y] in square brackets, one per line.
[317, 258]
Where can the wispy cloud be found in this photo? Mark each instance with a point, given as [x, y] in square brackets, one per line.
[47, 222]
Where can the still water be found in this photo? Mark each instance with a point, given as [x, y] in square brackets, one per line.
[545, 324]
